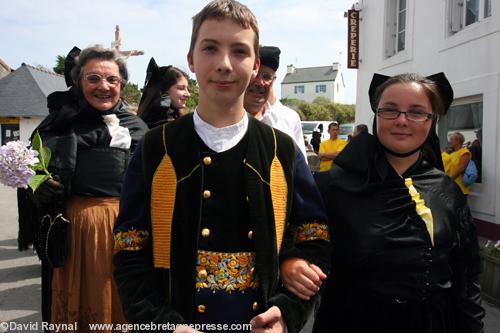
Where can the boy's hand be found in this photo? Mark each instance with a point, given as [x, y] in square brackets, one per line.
[301, 278]
[270, 321]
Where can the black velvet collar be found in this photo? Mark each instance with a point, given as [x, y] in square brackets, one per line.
[65, 106]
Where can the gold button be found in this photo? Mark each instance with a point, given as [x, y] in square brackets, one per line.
[255, 306]
[205, 232]
[202, 274]
[250, 234]
[252, 270]
[207, 160]
[206, 194]
[201, 308]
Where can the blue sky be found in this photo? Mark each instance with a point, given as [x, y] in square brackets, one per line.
[309, 33]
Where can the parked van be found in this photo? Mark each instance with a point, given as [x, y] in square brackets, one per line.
[345, 130]
[310, 126]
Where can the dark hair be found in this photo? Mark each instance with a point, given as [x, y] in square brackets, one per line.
[98, 52]
[334, 123]
[160, 82]
[429, 86]
[221, 9]
[362, 128]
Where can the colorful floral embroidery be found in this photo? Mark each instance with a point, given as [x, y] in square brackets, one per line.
[225, 271]
[130, 240]
[311, 231]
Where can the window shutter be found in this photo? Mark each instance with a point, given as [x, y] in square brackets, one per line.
[391, 28]
[456, 15]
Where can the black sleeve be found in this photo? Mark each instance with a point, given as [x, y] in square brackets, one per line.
[143, 288]
[306, 237]
[466, 267]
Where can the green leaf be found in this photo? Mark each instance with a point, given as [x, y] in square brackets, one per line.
[37, 180]
[36, 143]
[46, 154]
[37, 167]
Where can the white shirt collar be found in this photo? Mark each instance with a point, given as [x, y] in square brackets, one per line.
[223, 138]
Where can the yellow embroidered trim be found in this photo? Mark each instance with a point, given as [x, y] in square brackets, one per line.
[422, 210]
[163, 191]
[164, 137]
[189, 174]
[279, 190]
[221, 271]
[257, 172]
[130, 240]
[311, 231]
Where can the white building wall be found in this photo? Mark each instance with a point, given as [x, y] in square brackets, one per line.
[27, 126]
[470, 60]
[288, 91]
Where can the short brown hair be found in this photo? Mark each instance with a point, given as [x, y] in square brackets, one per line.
[459, 136]
[221, 9]
[333, 124]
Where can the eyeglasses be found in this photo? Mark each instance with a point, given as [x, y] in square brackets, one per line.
[413, 115]
[266, 77]
[112, 80]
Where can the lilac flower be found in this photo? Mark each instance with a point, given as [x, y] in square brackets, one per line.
[16, 164]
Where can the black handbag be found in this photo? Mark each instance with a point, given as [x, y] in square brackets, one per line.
[53, 240]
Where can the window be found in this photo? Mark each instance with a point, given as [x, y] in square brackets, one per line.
[395, 36]
[401, 25]
[466, 12]
[465, 116]
[471, 11]
[320, 88]
[298, 89]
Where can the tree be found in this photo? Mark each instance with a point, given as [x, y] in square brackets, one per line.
[193, 89]
[322, 109]
[59, 69]
[131, 94]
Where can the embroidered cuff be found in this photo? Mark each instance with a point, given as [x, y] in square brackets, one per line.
[311, 231]
[130, 240]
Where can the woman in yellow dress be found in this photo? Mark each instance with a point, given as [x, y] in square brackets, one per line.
[456, 162]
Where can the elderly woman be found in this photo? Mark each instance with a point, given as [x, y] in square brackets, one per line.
[91, 137]
[457, 160]
[164, 96]
[405, 252]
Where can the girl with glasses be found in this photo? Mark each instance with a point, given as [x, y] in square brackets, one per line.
[405, 250]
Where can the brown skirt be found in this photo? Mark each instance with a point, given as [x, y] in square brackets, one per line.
[83, 290]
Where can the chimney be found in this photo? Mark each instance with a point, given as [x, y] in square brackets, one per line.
[290, 69]
[336, 66]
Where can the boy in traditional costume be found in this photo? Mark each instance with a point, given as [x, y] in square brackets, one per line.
[213, 201]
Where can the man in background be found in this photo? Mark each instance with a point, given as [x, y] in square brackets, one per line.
[263, 105]
[329, 149]
[361, 128]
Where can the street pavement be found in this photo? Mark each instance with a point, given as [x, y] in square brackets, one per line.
[20, 287]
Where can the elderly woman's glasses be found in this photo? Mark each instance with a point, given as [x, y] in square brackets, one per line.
[266, 77]
[413, 115]
[112, 80]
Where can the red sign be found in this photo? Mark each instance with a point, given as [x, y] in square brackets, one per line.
[352, 39]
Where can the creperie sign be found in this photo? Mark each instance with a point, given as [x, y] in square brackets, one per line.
[353, 39]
